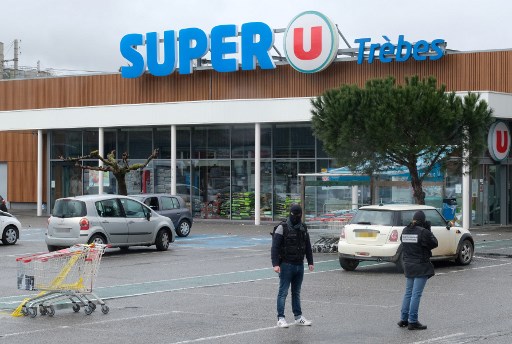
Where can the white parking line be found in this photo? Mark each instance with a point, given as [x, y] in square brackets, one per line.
[225, 335]
[432, 340]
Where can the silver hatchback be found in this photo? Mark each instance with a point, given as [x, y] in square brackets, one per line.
[107, 219]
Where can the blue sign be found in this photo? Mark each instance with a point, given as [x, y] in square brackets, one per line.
[389, 52]
[311, 45]
[256, 41]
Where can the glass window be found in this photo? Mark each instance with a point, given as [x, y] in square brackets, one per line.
[163, 142]
[293, 141]
[169, 203]
[242, 142]
[66, 143]
[91, 141]
[136, 142]
[373, 217]
[183, 143]
[109, 208]
[286, 187]
[69, 208]
[211, 142]
[132, 209]
[152, 202]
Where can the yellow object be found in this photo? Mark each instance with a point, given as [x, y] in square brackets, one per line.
[57, 282]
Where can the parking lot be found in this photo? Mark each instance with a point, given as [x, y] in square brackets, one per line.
[217, 286]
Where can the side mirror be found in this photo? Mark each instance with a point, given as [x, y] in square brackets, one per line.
[449, 224]
[148, 215]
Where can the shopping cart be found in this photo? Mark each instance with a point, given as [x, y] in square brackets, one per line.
[60, 275]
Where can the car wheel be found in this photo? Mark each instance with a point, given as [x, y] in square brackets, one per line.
[98, 239]
[162, 240]
[52, 248]
[10, 235]
[465, 254]
[349, 264]
[183, 229]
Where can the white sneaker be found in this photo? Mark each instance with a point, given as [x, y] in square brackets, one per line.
[303, 321]
[282, 323]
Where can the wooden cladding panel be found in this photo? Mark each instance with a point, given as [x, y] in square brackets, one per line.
[483, 71]
[21, 181]
[21, 159]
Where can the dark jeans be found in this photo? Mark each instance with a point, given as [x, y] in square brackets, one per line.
[411, 302]
[290, 274]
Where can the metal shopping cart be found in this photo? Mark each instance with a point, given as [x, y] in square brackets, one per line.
[67, 274]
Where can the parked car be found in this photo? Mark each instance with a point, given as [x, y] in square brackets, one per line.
[374, 234]
[117, 220]
[3, 204]
[10, 228]
[173, 207]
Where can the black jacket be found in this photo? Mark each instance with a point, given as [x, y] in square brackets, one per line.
[417, 246]
[278, 242]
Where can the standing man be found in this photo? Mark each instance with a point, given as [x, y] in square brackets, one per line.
[290, 243]
[417, 245]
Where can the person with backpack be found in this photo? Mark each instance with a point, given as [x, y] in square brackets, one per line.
[290, 243]
[417, 245]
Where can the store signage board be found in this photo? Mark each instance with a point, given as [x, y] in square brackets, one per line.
[311, 43]
[498, 141]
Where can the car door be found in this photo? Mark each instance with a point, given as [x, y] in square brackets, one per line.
[112, 220]
[140, 230]
[445, 237]
[170, 207]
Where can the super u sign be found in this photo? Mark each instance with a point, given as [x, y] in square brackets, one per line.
[498, 141]
[311, 42]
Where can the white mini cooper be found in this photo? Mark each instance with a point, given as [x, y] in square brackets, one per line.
[374, 234]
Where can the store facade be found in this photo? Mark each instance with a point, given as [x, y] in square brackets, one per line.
[232, 142]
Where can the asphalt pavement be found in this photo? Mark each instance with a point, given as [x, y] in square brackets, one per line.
[488, 239]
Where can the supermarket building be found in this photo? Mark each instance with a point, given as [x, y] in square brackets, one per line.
[234, 134]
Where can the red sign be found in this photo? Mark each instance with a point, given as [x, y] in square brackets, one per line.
[498, 141]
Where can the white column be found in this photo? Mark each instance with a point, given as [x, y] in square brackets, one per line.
[257, 171]
[173, 160]
[466, 192]
[101, 151]
[40, 172]
[355, 199]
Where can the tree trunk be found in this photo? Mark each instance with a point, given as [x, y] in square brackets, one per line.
[121, 183]
[417, 187]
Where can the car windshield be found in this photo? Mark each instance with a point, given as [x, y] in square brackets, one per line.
[373, 217]
[69, 208]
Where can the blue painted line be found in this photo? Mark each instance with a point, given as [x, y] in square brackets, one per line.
[151, 287]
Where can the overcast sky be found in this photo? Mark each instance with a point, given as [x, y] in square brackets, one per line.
[85, 35]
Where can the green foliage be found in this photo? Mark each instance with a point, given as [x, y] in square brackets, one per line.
[384, 125]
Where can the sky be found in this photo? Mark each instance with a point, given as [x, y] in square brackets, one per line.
[85, 35]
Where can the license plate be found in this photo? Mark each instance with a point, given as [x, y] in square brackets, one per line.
[62, 230]
[366, 234]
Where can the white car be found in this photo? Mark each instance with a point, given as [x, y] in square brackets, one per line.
[120, 221]
[10, 228]
[374, 234]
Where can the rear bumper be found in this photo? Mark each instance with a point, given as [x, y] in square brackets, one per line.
[53, 241]
[387, 252]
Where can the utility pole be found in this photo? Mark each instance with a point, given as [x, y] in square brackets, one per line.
[1, 60]
[16, 52]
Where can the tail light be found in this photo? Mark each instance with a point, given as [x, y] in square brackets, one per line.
[394, 236]
[84, 224]
[342, 233]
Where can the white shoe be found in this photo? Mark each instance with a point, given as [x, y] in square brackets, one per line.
[303, 321]
[282, 323]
